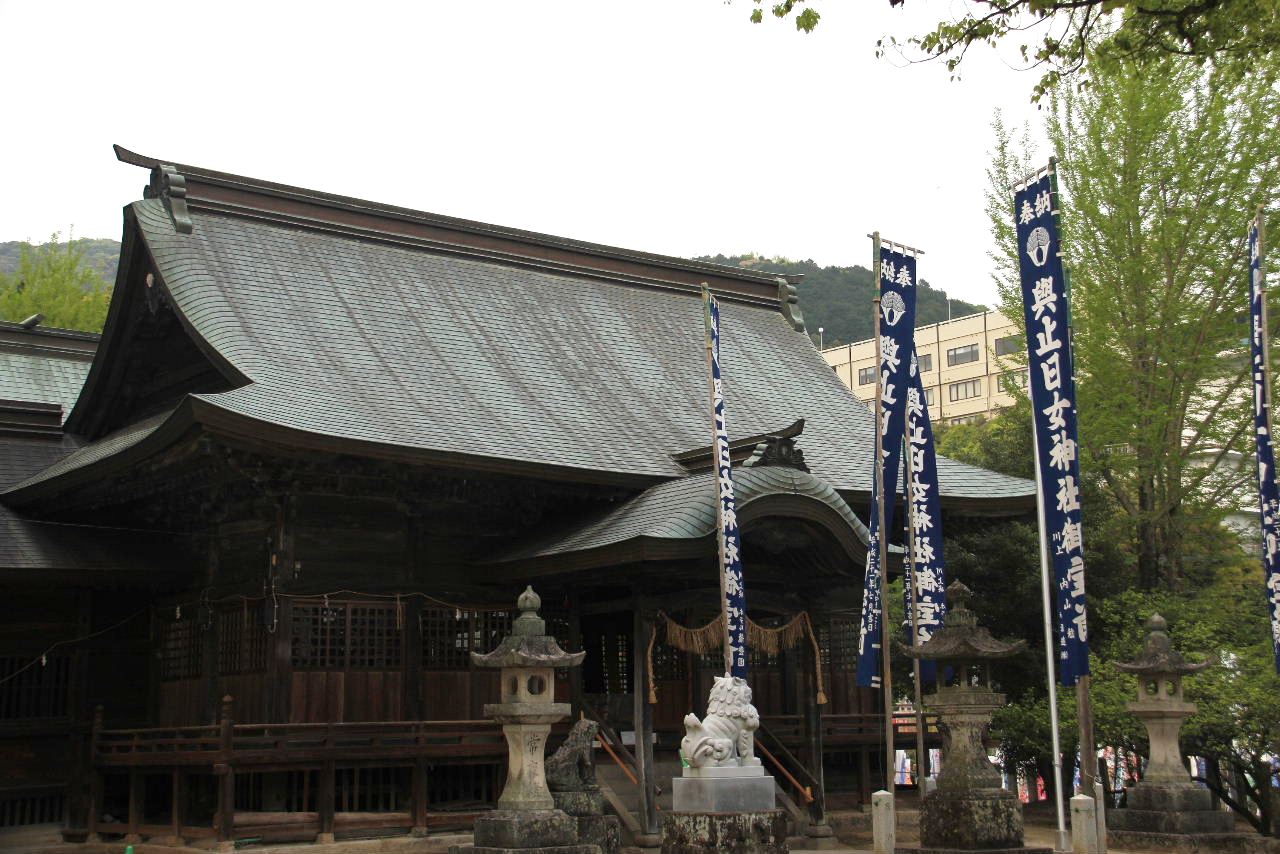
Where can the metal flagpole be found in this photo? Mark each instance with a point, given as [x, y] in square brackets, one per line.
[886, 678]
[1090, 783]
[1049, 647]
[909, 479]
[711, 385]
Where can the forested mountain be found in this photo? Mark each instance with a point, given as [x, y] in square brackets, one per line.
[100, 255]
[839, 298]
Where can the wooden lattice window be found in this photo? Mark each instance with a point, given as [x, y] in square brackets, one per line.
[242, 642]
[180, 649]
[669, 662]
[36, 690]
[319, 636]
[374, 633]
[838, 641]
[346, 636]
[449, 636]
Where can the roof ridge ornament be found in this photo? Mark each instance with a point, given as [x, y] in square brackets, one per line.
[779, 451]
[170, 186]
[790, 300]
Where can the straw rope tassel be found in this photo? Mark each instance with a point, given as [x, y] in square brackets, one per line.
[709, 638]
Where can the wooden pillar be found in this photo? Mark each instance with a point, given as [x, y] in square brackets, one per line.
[279, 643]
[177, 786]
[226, 774]
[419, 814]
[864, 776]
[411, 637]
[576, 696]
[328, 771]
[643, 725]
[812, 713]
[95, 779]
[133, 830]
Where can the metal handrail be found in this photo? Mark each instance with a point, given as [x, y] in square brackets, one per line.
[806, 792]
[617, 760]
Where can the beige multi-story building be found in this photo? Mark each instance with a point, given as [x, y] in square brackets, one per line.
[960, 361]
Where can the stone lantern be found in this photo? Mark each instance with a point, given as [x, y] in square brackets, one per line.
[1166, 801]
[969, 810]
[526, 816]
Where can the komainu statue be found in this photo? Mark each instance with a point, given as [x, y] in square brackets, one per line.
[727, 735]
[572, 768]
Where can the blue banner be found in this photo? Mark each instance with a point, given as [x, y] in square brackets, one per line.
[897, 345]
[1053, 395]
[928, 566]
[1268, 492]
[735, 599]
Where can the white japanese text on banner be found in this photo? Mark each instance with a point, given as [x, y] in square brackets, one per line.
[1268, 492]
[1052, 386]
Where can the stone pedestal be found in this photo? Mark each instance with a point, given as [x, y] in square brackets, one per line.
[723, 789]
[725, 833]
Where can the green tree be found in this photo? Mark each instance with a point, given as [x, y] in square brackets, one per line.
[53, 279]
[1067, 33]
[1162, 165]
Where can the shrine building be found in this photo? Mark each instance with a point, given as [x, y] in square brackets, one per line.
[323, 444]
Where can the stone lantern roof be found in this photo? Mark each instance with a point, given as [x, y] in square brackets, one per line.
[528, 645]
[961, 639]
[1159, 656]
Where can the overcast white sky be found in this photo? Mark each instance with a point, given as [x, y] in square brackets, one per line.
[671, 126]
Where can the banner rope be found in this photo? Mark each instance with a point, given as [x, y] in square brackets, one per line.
[710, 637]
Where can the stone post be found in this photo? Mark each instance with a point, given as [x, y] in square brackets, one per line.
[1084, 825]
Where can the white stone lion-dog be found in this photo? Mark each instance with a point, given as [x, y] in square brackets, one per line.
[728, 731]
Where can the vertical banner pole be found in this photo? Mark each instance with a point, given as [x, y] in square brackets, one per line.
[909, 479]
[1090, 784]
[886, 678]
[1049, 646]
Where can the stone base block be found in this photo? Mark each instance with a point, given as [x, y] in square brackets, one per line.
[921, 849]
[763, 832]
[723, 794]
[1207, 843]
[971, 823]
[1178, 798]
[553, 849]
[525, 829]
[1199, 821]
[580, 803]
[600, 830]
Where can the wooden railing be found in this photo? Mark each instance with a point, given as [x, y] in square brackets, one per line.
[318, 751]
[840, 731]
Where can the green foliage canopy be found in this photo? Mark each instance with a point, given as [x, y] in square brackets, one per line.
[1069, 33]
[55, 280]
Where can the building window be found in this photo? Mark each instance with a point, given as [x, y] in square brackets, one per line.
[965, 390]
[180, 649]
[242, 641]
[1008, 345]
[346, 636]
[28, 692]
[450, 636]
[965, 419]
[928, 397]
[1012, 381]
[925, 361]
[962, 355]
[866, 376]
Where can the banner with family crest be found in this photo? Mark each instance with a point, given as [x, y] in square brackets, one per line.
[897, 346]
[928, 566]
[1268, 491]
[1052, 387]
[735, 599]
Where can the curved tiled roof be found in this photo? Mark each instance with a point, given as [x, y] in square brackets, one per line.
[685, 509]
[459, 355]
